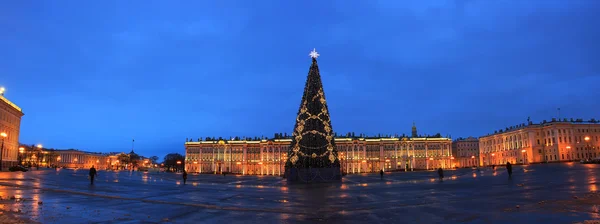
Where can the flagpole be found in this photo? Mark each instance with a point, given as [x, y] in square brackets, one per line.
[132, 142]
[559, 114]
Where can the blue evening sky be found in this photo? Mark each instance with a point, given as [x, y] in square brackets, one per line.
[93, 75]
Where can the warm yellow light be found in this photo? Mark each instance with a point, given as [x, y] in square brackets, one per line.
[431, 158]
[568, 147]
[472, 157]
[364, 161]
[3, 135]
[259, 163]
[58, 159]
[387, 160]
[238, 163]
[21, 149]
[587, 138]
[195, 162]
[452, 157]
[493, 154]
[39, 146]
[178, 162]
[98, 161]
[2, 90]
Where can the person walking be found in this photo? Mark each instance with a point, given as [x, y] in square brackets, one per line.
[509, 169]
[441, 174]
[381, 174]
[92, 175]
[184, 176]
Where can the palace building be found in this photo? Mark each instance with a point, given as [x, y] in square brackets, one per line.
[10, 126]
[554, 141]
[357, 155]
[466, 152]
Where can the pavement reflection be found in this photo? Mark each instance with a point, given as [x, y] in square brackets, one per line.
[466, 195]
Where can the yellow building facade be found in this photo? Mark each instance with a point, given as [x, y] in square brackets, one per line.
[358, 155]
[10, 126]
[466, 152]
[554, 141]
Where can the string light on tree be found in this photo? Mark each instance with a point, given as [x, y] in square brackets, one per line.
[313, 144]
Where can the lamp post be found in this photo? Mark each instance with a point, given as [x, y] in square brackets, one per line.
[3, 135]
[492, 159]
[178, 165]
[473, 160]
[37, 164]
[524, 155]
[587, 146]
[570, 153]
[21, 151]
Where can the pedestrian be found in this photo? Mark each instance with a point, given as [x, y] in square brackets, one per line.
[184, 176]
[441, 173]
[381, 173]
[92, 174]
[509, 169]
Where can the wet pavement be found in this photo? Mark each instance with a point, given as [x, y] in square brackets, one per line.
[549, 193]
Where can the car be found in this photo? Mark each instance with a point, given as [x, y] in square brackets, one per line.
[18, 168]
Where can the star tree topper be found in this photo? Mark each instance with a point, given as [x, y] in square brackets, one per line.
[314, 54]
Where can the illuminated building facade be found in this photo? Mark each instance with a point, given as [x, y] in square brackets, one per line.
[10, 125]
[357, 155]
[466, 152]
[554, 141]
[79, 159]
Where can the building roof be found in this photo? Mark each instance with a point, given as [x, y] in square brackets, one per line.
[342, 139]
[2, 98]
[544, 123]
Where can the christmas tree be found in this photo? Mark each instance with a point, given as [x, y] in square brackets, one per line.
[313, 144]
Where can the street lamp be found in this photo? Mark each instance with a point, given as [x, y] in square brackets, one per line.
[587, 145]
[2, 90]
[21, 151]
[37, 164]
[3, 135]
[523, 154]
[178, 164]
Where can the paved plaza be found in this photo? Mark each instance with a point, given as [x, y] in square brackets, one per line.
[548, 193]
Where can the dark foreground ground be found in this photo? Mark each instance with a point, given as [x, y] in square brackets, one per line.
[546, 193]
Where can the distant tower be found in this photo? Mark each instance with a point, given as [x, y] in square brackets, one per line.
[414, 130]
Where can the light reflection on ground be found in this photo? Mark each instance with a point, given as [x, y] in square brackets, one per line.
[413, 197]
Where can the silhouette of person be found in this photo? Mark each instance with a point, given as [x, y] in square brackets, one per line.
[441, 173]
[92, 174]
[184, 176]
[381, 173]
[509, 169]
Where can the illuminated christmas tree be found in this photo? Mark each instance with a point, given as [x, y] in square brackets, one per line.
[313, 144]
